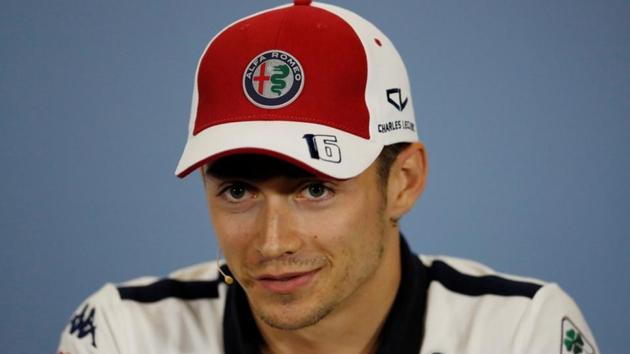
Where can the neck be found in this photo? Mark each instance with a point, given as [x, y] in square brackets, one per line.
[354, 326]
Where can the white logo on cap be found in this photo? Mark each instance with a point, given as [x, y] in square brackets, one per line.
[273, 79]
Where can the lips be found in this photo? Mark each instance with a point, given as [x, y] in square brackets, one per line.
[286, 283]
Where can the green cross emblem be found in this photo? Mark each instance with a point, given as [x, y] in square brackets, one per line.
[573, 341]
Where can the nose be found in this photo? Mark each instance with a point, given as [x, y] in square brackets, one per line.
[278, 233]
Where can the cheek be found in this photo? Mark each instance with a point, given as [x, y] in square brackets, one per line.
[343, 230]
[234, 233]
[351, 214]
[328, 227]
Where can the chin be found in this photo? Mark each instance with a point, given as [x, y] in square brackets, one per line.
[292, 323]
[293, 316]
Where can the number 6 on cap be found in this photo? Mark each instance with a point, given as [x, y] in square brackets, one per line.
[323, 147]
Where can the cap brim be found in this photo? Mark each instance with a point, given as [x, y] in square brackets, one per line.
[320, 149]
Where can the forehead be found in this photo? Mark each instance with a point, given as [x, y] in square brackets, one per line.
[254, 167]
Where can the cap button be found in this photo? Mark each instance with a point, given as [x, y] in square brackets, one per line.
[302, 2]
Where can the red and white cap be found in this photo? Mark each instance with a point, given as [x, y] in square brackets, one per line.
[310, 83]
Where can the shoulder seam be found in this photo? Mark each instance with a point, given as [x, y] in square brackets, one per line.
[170, 288]
[465, 284]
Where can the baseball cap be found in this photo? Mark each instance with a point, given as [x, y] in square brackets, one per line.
[310, 83]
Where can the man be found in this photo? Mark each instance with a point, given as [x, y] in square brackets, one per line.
[303, 131]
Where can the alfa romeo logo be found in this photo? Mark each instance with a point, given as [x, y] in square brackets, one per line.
[273, 79]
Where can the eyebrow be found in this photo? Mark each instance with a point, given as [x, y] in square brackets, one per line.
[253, 167]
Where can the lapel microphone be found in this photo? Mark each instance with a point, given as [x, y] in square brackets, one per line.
[226, 278]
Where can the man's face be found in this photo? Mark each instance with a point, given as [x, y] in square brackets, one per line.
[301, 246]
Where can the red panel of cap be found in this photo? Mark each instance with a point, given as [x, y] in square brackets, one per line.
[333, 60]
[302, 2]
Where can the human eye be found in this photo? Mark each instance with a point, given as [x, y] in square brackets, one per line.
[316, 191]
[236, 192]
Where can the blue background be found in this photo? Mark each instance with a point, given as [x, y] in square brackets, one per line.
[524, 108]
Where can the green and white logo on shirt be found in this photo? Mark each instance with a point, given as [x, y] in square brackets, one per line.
[573, 341]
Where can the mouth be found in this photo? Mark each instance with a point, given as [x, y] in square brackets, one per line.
[286, 283]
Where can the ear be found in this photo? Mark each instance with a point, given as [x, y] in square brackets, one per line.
[407, 178]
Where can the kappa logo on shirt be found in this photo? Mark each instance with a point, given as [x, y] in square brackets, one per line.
[573, 340]
[83, 324]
